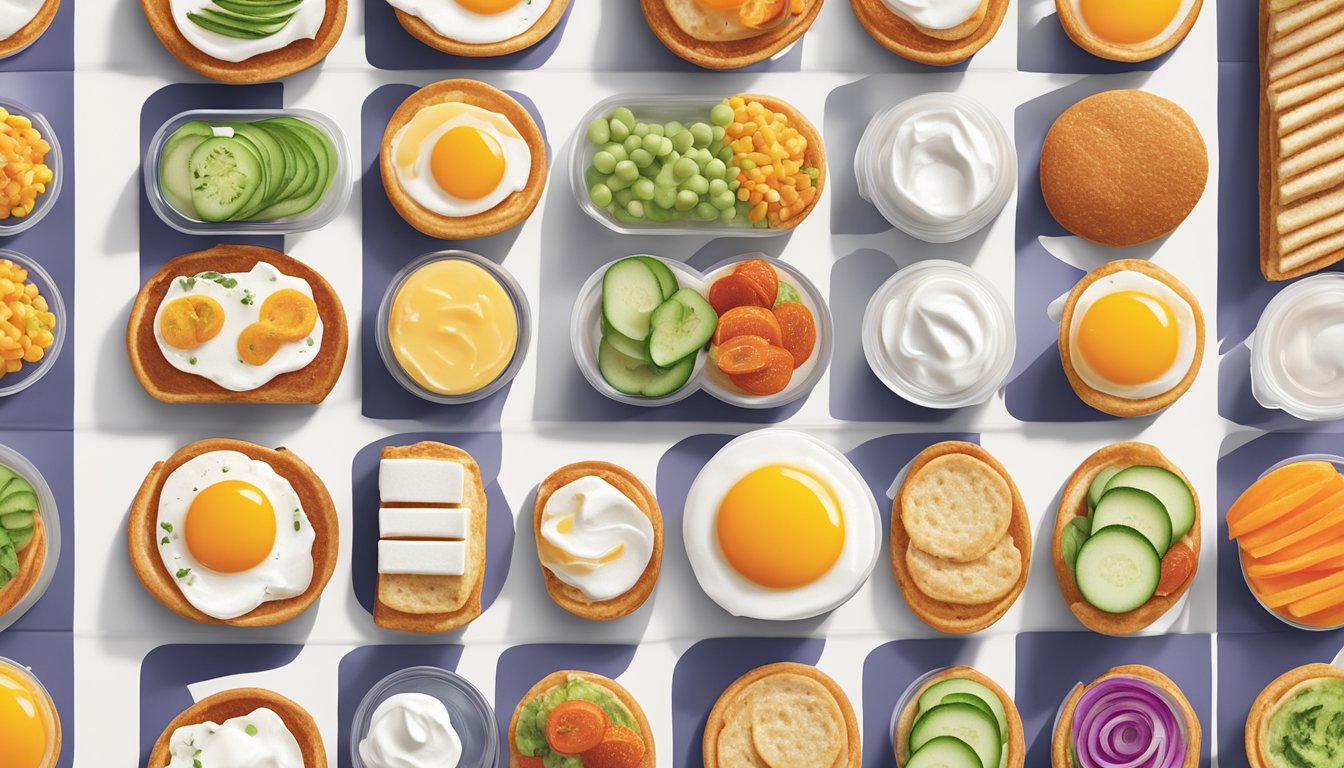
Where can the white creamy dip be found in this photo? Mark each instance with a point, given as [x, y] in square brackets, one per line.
[411, 730]
[1297, 354]
[15, 15]
[303, 26]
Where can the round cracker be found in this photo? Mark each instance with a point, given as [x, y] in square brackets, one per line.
[906, 39]
[556, 678]
[956, 507]
[1017, 742]
[1073, 503]
[28, 33]
[794, 722]
[1129, 54]
[733, 698]
[513, 209]
[980, 581]
[238, 702]
[1104, 401]
[625, 481]
[1060, 741]
[534, 34]
[1269, 700]
[726, 54]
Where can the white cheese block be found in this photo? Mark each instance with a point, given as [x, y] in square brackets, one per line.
[421, 481]
[422, 523]
[423, 558]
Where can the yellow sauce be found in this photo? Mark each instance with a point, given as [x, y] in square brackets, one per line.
[453, 327]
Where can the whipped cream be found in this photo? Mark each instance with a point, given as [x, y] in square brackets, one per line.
[1297, 354]
[303, 26]
[939, 335]
[411, 730]
[594, 538]
[934, 14]
[15, 15]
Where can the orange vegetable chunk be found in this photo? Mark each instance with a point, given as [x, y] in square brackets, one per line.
[1273, 486]
[620, 748]
[761, 273]
[774, 377]
[743, 354]
[1274, 509]
[748, 321]
[800, 331]
[1177, 565]
[575, 726]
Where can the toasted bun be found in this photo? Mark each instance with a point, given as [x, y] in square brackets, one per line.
[903, 38]
[1268, 700]
[238, 702]
[1112, 404]
[726, 54]
[729, 697]
[425, 591]
[31, 560]
[1079, 34]
[1073, 503]
[310, 384]
[143, 543]
[1059, 744]
[295, 57]
[944, 616]
[1122, 168]
[816, 150]
[556, 678]
[513, 209]
[526, 39]
[29, 32]
[1017, 741]
[627, 483]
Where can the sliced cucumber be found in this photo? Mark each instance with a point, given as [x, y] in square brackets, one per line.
[1168, 487]
[1118, 569]
[624, 344]
[175, 169]
[6, 474]
[968, 698]
[944, 752]
[15, 484]
[1136, 509]
[629, 376]
[1098, 485]
[630, 294]
[224, 177]
[965, 722]
[1071, 540]
[268, 149]
[679, 327]
[17, 521]
[21, 538]
[666, 279]
[23, 502]
[934, 695]
[320, 146]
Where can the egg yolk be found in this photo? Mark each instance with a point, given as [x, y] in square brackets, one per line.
[230, 526]
[781, 527]
[23, 732]
[467, 163]
[1128, 22]
[489, 6]
[190, 321]
[1129, 337]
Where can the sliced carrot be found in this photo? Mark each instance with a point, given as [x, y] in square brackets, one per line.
[1332, 564]
[732, 291]
[1321, 553]
[1274, 484]
[800, 332]
[620, 748]
[748, 321]
[1329, 498]
[1273, 510]
[1301, 548]
[575, 726]
[1321, 601]
[1264, 586]
[774, 377]
[1330, 617]
[761, 273]
[742, 354]
[1304, 585]
[1177, 565]
[1323, 524]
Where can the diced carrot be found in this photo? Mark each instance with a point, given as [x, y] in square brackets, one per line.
[743, 354]
[1332, 518]
[1274, 484]
[1328, 499]
[1177, 565]
[1330, 617]
[774, 377]
[800, 332]
[575, 726]
[748, 321]
[1274, 509]
[732, 291]
[1319, 554]
[1321, 601]
[761, 273]
[620, 748]
[1277, 593]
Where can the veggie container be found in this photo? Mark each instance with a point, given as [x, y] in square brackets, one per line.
[683, 108]
[55, 160]
[14, 383]
[323, 212]
[51, 521]
[586, 335]
[903, 703]
[469, 711]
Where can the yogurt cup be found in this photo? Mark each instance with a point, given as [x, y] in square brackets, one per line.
[55, 160]
[586, 335]
[470, 712]
[965, 172]
[1297, 350]
[51, 520]
[942, 308]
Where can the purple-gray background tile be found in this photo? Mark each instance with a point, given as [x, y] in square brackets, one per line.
[1238, 24]
[890, 669]
[387, 45]
[53, 51]
[364, 667]
[51, 656]
[52, 452]
[523, 666]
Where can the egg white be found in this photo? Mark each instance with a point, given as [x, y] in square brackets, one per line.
[741, 596]
[267, 743]
[1185, 323]
[418, 179]
[715, 24]
[1172, 26]
[287, 570]
[450, 19]
[217, 359]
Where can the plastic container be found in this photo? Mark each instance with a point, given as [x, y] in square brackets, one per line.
[469, 711]
[51, 521]
[1077, 687]
[684, 108]
[331, 205]
[586, 334]
[520, 308]
[906, 700]
[55, 160]
[14, 383]
[873, 154]
[1267, 388]
[896, 380]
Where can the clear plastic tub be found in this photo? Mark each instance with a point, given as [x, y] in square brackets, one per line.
[586, 334]
[520, 307]
[896, 380]
[906, 700]
[873, 154]
[1266, 386]
[55, 160]
[684, 108]
[31, 373]
[51, 522]
[331, 205]
[468, 710]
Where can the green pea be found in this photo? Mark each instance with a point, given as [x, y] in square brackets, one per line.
[717, 186]
[616, 150]
[643, 189]
[682, 141]
[721, 114]
[624, 196]
[667, 149]
[604, 162]
[702, 134]
[655, 129]
[672, 128]
[664, 195]
[716, 169]
[626, 170]
[633, 142]
[724, 200]
[686, 200]
[685, 168]
[697, 184]
[599, 131]
[618, 130]
[726, 154]
[667, 177]
[731, 176]
[616, 183]
[641, 158]
[600, 194]
[718, 133]
[727, 215]
[658, 215]
[706, 212]
[591, 177]
[641, 130]
[635, 208]
[624, 116]
[747, 164]
[652, 143]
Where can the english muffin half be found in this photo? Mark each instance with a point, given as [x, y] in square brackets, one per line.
[427, 34]
[729, 38]
[1061, 745]
[1291, 685]
[240, 703]
[595, 715]
[782, 714]
[936, 47]
[28, 33]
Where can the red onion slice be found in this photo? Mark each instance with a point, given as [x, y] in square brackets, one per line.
[1127, 722]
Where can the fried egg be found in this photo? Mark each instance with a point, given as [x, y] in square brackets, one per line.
[259, 739]
[723, 20]
[458, 159]
[1132, 23]
[240, 329]
[779, 525]
[1132, 336]
[475, 21]
[233, 534]
[27, 732]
